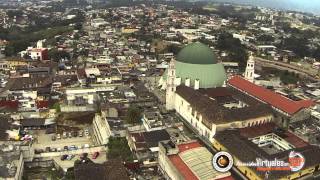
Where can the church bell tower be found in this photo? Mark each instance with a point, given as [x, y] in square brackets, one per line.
[171, 87]
[249, 73]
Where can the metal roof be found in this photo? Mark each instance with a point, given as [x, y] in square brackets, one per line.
[199, 160]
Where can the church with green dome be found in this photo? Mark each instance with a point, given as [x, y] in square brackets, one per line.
[196, 66]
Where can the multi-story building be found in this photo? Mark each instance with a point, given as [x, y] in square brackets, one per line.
[101, 129]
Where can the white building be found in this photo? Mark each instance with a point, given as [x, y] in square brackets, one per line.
[214, 107]
[101, 129]
[249, 73]
[81, 96]
[152, 121]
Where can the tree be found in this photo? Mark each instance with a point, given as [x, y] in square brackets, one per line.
[265, 38]
[297, 45]
[118, 148]
[56, 55]
[288, 78]
[78, 26]
[133, 115]
[237, 51]
[316, 53]
[173, 48]
[57, 107]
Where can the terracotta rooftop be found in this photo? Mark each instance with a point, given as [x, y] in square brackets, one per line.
[276, 100]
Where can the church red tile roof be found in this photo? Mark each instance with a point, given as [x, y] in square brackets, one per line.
[276, 100]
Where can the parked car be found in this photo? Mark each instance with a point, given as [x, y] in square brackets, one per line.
[38, 151]
[69, 135]
[64, 157]
[73, 147]
[80, 133]
[53, 149]
[75, 134]
[64, 135]
[86, 145]
[58, 149]
[86, 132]
[47, 149]
[84, 155]
[53, 138]
[58, 136]
[71, 156]
[95, 155]
[65, 148]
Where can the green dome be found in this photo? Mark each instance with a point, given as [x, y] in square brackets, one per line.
[197, 61]
[197, 53]
[210, 75]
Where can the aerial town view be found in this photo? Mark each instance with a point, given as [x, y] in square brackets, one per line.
[159, 90]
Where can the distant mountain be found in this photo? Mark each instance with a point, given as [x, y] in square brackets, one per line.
[310, 6]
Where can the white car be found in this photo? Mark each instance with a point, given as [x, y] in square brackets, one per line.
[86, 132]
[86, 146]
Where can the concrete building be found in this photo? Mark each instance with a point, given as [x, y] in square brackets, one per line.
[80, 96]
[101, 129]
[249, 73]
[258, 143]
[152, 120]
[12, 162]
[189, 160]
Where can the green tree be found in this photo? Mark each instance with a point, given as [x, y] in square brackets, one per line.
[118, 148]
[56, 106]
[288, 78]
[133, 115]
[56, 55]
[297, 45]
[265, 38]
[233, 46]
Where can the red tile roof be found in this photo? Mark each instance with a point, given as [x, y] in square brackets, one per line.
[255, 131]
[179, 163]
[9, 104]
[182, 167]
[42, 104]
[295, 140]
[276, 100]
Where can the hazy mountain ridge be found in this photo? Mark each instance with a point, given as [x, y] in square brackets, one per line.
[311, 6]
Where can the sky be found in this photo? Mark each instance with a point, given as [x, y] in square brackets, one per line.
[311, 6]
